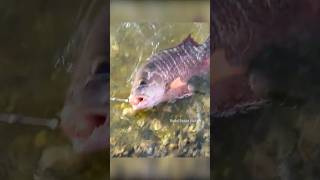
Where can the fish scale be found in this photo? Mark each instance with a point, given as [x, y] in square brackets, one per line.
[165, 75]
[180, 60]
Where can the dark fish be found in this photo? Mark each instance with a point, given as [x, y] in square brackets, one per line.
[84, 116]
[165, 75]
[243, 29]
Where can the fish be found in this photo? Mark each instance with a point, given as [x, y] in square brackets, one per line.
[241, 30]
[84, 115]
[165, 75]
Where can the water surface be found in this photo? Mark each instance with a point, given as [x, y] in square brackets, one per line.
[170, 129]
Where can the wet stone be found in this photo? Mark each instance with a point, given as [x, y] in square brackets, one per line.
[127, 111]
[156, 125]
[150, 150]
[173, 146]
[147, 134]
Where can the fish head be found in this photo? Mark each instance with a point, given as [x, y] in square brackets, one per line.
[148, 89]
[84, 117]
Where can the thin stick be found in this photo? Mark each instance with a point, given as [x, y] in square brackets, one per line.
[119, 99]
[20, 119]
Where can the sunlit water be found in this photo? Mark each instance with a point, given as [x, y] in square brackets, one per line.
[153, 133]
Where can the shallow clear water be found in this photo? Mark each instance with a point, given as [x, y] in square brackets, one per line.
[153, 133]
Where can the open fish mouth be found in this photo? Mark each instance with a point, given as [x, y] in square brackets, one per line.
[97, 120]
[94, 121]
[98, 136]
[138, 102]
[89, 132]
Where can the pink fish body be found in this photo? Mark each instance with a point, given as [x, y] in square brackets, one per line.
[165, 75]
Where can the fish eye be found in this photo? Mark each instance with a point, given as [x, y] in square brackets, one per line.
[142, 82]
[101, 68]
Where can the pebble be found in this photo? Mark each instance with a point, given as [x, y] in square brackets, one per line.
[183, 143]
[192, 128]
[150, 150]
[167, 109]
[199, 125]
[114, 47]
[173, 147]
[192, 137]
[165, 141]
[140, 122]
[185, 129]
[118, 151]
[195, 153]
[156, 125]
[113, 141]
[127, 111]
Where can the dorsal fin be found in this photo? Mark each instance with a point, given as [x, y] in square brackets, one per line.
[189, 40]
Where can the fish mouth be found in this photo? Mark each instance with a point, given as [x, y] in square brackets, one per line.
[138, 102]
[88, 130]
[97, 138]
[94, 121]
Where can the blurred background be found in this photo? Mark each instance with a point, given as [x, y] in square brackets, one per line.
[271, 50]
[35, 64]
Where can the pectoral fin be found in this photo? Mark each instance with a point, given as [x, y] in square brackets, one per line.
[177, 83]
[179, 89]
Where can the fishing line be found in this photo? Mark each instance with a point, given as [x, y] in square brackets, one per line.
[136, 68]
